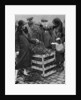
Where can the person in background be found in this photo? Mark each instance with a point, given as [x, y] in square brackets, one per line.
[63, 33]
[60, 49]
[47, 38]
[56, 29]
[35, 30]
[45, 31]
[40, 32]
[59, 37]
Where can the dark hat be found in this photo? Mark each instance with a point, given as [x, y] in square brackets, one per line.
[21, 23]
[56, 22]
[30, 19]
[44, 20]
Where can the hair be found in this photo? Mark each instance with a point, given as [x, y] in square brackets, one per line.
[60, 27]
[56, 21]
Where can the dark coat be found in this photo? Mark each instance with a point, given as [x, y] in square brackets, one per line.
[24, 57]
[47, 39]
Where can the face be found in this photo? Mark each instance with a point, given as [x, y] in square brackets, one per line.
[23, 26]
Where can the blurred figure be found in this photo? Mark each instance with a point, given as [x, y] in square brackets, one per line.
[23, 42]
[47, 38]
[60, 49]
[58, 35]
[21, 46]
[57, 28]
[34, 30]
[63, 33]
[40, 31]
[16, 25]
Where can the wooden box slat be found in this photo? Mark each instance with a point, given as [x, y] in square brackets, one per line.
[44, 63]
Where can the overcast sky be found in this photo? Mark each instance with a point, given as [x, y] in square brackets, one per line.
[37, 18]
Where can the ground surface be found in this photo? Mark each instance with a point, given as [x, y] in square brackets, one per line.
[56, 78]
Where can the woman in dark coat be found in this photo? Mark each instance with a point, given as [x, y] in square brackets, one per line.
[23, 44]
[59, 32]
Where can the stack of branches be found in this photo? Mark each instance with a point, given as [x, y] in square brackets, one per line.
[40, 49]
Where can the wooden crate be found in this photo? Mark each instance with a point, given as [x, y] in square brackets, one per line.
[44, 63]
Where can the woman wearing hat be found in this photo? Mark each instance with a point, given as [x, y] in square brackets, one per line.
[57, 28]
[58, 37]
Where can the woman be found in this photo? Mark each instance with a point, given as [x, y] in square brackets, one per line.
[59, 37]
[22, 43]
[57, 28]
